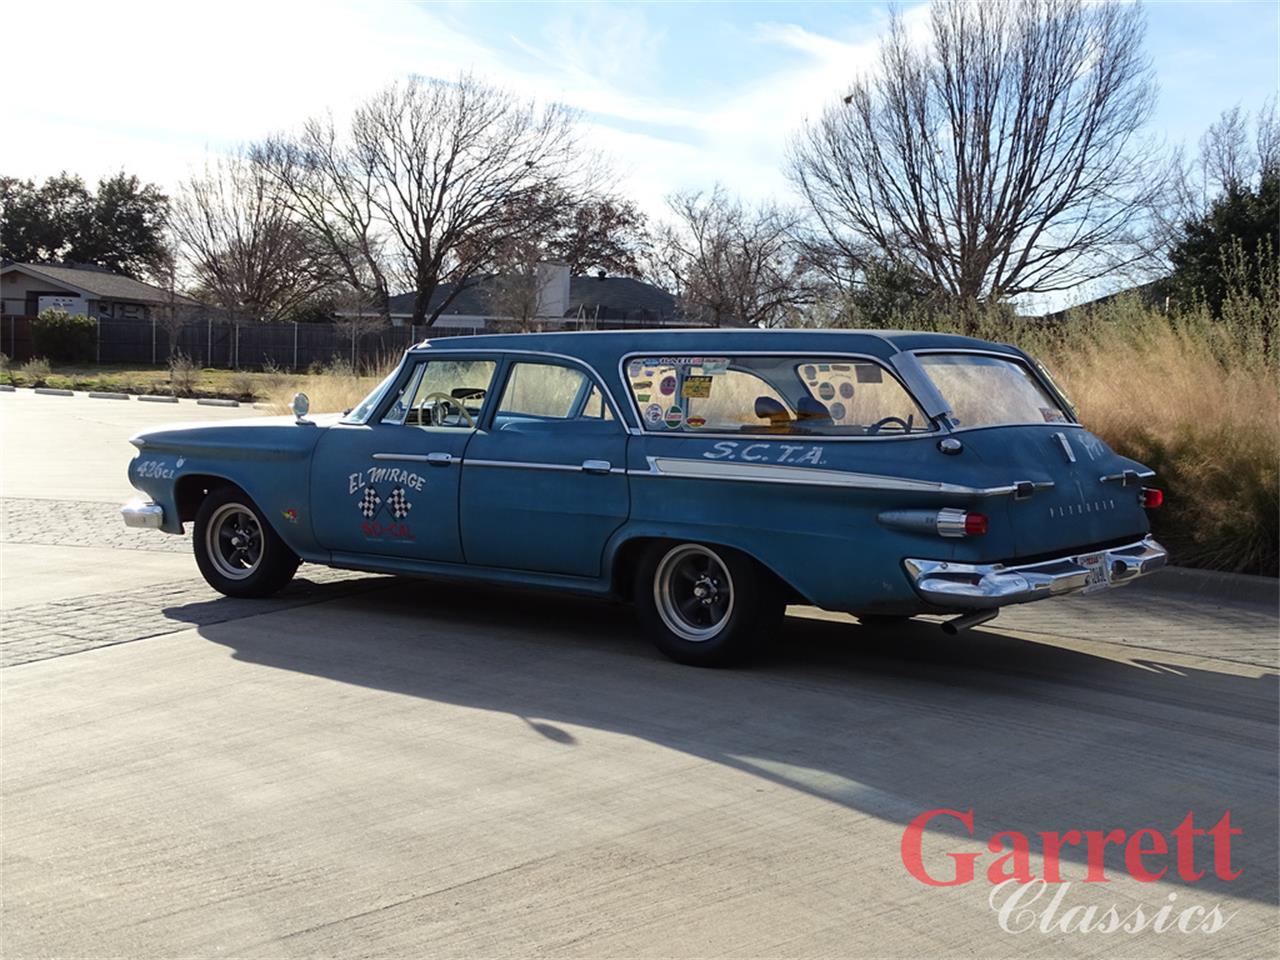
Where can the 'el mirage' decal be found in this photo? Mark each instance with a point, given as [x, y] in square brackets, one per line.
[381, 496]
[794, 453]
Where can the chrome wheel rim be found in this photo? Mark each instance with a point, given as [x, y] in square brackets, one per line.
[233, 541]
[693, 592]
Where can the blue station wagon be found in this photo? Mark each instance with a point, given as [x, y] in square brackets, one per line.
[711, 477]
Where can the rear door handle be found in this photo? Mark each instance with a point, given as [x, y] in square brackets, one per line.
[596, 466]
[439, 459]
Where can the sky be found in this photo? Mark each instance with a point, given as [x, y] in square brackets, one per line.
[678, 95]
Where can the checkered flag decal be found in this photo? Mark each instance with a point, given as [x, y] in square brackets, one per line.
[369, 504]
[398, 503]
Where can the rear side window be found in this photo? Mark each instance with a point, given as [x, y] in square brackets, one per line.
[987, 391]
[772, 395]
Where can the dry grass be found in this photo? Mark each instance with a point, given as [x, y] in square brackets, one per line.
[330, 391]
[1163, 394]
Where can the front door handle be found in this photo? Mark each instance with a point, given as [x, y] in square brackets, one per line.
[439, 459]
[596, 466]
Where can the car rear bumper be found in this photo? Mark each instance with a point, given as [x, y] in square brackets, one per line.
[136, 513]
[982, 586]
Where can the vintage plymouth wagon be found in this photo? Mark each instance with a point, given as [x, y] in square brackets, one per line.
[712, 477]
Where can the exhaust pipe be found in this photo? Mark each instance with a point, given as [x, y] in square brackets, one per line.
[952, 627]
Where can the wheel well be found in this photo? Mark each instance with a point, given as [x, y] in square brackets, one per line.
[627, 559]
[190, 490]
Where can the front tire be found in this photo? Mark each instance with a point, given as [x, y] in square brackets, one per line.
[705, 606]
[237, 551]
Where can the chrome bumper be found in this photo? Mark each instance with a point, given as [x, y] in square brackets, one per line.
[139, 514]
[985, 585]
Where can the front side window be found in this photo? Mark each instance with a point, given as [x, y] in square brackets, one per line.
[819, 396]
[987, 391]
[443, 393]
[542, 390]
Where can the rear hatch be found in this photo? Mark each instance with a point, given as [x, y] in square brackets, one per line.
[1080, 509]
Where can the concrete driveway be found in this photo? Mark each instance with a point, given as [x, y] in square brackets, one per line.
[372, 766]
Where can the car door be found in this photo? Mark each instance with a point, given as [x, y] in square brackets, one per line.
[389, 487]
[544, 486]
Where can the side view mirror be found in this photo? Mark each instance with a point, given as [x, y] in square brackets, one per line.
[300, 406]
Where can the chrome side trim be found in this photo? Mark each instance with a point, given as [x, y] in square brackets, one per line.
[530, 465]
[412, 457]
[985, 585]
[1065, 444]
[147, 516]
[807, 476]
[1127, 477]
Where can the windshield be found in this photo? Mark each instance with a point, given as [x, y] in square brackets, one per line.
[987, 391]
[822, 396]
[360, 412]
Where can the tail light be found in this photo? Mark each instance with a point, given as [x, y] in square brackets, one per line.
[1152, 497]
[953, 522]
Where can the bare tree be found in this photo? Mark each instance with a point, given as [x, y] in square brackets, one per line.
[730, 263]
[355, 321]
[430, 181]
[1000, 158]
[599, 233]
[244, 252]
[175, 311]
[323, 184]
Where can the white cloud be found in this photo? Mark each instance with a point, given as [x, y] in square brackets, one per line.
[150, 87]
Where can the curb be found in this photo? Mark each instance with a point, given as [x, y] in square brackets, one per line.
[151, 398]
[1213, 585]
[103, 395]
[53, 392]
[207, 402]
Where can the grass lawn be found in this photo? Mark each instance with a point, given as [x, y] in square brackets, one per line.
[227, 384]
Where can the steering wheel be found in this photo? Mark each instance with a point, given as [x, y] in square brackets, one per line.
[439, 411]
[886, 421]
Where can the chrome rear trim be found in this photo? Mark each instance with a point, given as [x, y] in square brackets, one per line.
[985, 585]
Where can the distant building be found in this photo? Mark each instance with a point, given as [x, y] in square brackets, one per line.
[28, 288]
[563, 302]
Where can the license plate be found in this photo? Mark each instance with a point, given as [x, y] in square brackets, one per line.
[1099, 574]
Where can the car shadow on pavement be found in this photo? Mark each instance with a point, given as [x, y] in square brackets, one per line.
[891, 722]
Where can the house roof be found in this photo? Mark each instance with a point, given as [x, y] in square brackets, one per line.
[604, 298]
[95, 282]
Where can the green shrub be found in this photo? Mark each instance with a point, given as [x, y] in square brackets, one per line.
[62, 337]
[5, 366]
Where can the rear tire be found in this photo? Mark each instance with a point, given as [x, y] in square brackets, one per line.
[705, 606]
[237, 551]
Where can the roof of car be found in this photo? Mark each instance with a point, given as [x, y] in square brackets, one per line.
[602, 347]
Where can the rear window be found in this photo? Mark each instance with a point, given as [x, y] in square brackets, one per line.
[772, 395]
[986, 391]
